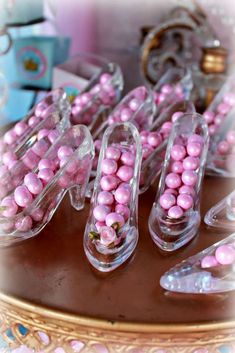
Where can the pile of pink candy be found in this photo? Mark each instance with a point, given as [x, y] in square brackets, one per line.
[226, 150]
[113, 201]
[181, 180]
[87, 104]
[224, 255]
[168, 93]
[216, 118]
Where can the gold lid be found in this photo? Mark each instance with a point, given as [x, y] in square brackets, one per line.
[214, 60]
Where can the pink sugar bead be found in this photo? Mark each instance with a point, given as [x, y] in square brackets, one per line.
[223, 147]
[104, 78]
[46, 175]
[128, 158]
[64, 181]
[64, 151]
[40, 108]
[113, 218]
[173, 180]
[30, 159]
[122, 195]
[33, 183]
[166, 89]
[212, 129]
[189, 177]
[195, 138]
[167, 200]
[109, 166]
[154, 139]
[218, 120]
[176, 116]
[185, 189]
[42, 134]
[161, 98]
[123, 210]
[100, 212]
[46, 163]
[171, 191]
[229, 98]
[33, 121]
[53, 136]
[40, 148]
[8, 157]
[37, 215]
[85, 98]
[134, 104]
[125, 173]
[209, 116]
[9, 137]
[105, 198]
[113, 153]
[140, 93]
[147, 150]
[194, 149]
[209, 261]
[167, 126]
[191, 163]
[178, 152]
[126, 114]
[225, 255]
[22, 196]
[24, 224]
[185, 201]
[230, 137]
[144, 137]
[97, 144]
[72, 165]
[177, 167]
[99, 225]
[11, 206]
[175, 212]
[20, 128]
[223, 108]
[108, 182]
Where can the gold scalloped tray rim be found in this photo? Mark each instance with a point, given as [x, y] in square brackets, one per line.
[109, 325]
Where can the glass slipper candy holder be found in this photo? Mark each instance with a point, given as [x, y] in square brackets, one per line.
[175, 214]
[55, 101]
[111, 233]
[155, 140]
[175, 84]
[27, 154]
[65, 167]
[222, 214]
[210, 271]
[102, 92]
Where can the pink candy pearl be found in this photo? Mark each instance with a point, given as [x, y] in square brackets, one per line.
[108, 182]
[24, 224]
[189, 177]
[30, 159]
[231, 137]
[33, 184]
[212, 129]
[105, 198]
[104, 78]
[22, 196]
[9, 137]
[46, 175]
[11, 206]
[229, 98]
[114, 217]
[128, 158]
[109, 166]
[99, 225]
[147, 150]
[167, 89]
[126, 114]
[175, 212]
[40, 107]
[144, 137]
[154, 139]
[64, 151]
[20, 128]
[194, 149]
[37, 215]
[191, 163]
[223, 108]
[53, 136]
[46, 163]
[42, 133]
[209, 261]
[64, 181]
[218, 120]
[100, 212]
[195, 138]
[176, 116]
[85, 98]
[173, 180]
[8, 157]
[161, 98]
[123, 210]
[167, 126]
[171, 191]
[134, 104]
[40, 148]
[178, 152]
[209, 116]
[223, 147]
[187, 190]
[113, 153]
[33, 121]
[167, 200]
[185, 201]
[225, 254]
[177, 167]
[125, 173]
[122, 195]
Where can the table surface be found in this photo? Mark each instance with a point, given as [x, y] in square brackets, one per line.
[51, 270]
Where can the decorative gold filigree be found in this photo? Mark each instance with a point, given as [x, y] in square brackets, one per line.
[88, 334]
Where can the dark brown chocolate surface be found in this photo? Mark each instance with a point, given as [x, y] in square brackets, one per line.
[51, 270]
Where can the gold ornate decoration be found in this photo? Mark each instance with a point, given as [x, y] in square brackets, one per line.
[47, 330]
